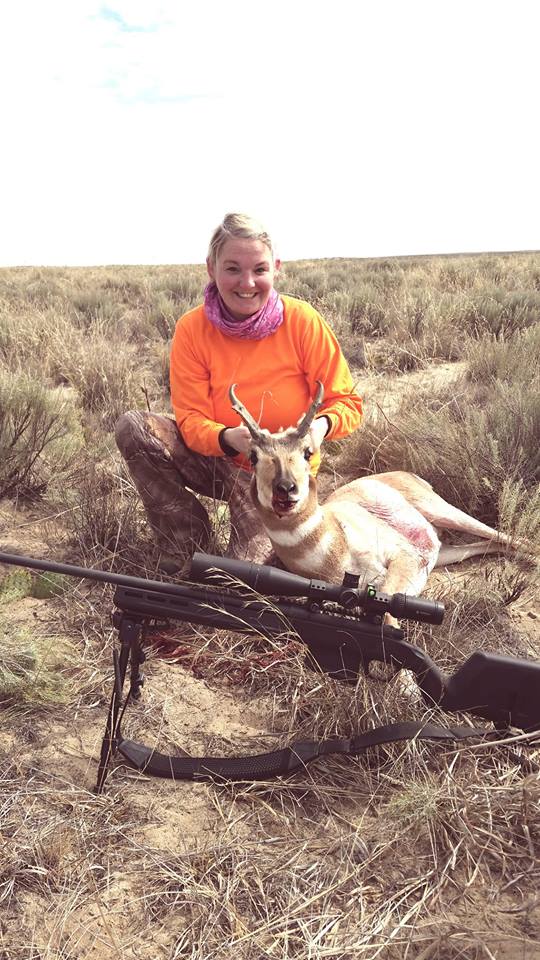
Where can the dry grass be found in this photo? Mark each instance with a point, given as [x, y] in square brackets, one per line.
[414, 851]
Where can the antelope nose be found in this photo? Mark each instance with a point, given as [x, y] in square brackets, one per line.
[285, 487]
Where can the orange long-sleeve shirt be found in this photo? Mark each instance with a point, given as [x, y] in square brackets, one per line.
[276, 378]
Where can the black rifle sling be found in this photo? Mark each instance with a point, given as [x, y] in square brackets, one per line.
[290, 759]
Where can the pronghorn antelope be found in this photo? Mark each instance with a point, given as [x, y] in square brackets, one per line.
[381, 527]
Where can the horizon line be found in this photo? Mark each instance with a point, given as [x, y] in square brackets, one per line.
[201, 263]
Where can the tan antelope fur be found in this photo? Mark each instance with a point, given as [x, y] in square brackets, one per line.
[382, 527]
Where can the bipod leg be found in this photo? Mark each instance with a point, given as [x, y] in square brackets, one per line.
[129, 629]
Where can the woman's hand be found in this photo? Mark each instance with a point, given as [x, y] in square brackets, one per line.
[239, 438]
[318, 430]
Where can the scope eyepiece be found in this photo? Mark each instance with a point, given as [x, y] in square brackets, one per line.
[403, 606]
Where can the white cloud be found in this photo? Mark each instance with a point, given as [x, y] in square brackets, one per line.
[352, 128]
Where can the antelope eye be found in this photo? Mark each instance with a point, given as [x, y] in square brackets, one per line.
[253, 457]
[308, 453]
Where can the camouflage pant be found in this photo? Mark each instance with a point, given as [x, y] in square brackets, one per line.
[167, 475]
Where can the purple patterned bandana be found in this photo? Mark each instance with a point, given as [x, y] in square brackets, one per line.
[259, 325]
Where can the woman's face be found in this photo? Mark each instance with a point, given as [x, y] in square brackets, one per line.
[244, 275]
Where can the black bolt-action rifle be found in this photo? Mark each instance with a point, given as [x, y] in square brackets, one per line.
[342, 628]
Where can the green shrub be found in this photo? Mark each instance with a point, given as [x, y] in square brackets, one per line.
[501, 312]
[516, 358]
[361, 309]
[28, 336]
[454, 276]
[105, 379]
[32, 672]
[32, 420]
[161, 314]
[396, 356]
[16, 585]
[95, 304]
[103, 373]
[20, 583]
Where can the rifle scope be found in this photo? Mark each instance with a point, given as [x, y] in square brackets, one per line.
[280, 583]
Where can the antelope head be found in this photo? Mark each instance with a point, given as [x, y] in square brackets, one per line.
[280, 460]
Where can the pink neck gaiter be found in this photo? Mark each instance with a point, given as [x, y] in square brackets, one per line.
[259, 325]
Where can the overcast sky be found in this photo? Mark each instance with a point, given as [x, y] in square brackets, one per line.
[350, 128]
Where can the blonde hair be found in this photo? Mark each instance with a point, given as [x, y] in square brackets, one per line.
[237, 225]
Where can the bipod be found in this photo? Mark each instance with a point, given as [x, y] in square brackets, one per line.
[281, 762]
[130, 630]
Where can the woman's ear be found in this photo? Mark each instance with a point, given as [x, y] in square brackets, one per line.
[210, 268]
[277, 266]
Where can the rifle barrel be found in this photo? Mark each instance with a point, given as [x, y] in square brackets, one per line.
[88, 573]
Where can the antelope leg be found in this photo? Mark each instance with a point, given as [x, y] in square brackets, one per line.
[455, 554]
[438, 511]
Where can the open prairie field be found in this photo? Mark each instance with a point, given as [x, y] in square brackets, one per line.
[414, 851]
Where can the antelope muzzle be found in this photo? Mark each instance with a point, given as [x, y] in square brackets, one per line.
[285, 494]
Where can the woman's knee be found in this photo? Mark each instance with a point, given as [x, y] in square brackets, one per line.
[129, 432]
[139, 431]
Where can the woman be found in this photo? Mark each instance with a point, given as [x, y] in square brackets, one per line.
[274, 348]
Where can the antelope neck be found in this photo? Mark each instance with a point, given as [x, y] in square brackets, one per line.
[290, 533]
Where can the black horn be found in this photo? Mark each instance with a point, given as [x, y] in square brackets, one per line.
[307, 420]
[244, 414]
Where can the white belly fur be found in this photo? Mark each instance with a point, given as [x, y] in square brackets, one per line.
[372, 544]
